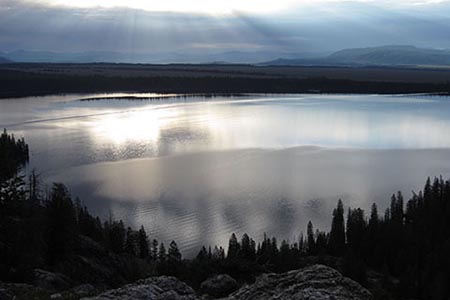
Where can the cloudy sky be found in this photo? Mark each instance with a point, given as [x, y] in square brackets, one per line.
[155, 26]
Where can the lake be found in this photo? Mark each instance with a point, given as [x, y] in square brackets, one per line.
[195, 169]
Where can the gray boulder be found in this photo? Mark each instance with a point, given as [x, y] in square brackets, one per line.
[84, 290]
[51, 281]
[219, 286]
[56, 296]
[154, 288]
[5, 294]
[316, 282]
[11, 291]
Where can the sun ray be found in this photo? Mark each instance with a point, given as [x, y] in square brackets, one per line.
[199, 6]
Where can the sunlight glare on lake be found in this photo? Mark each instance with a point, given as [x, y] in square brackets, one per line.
[144, 125]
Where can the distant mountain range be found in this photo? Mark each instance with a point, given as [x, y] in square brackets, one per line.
[374, 56]
[68, 57]
[249, 57]
[381, 56]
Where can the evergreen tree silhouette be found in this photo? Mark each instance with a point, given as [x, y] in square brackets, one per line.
[311, 239]
[144, 250]
[337, 233]
[162, 254]
[233, 247]
[61, 223]
[174, 255]
[154, 250]
[131, 242]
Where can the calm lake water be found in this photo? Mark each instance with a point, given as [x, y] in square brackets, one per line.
[197, 169]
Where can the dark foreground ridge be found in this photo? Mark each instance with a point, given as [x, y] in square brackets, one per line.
[19, 80]
[50, 244]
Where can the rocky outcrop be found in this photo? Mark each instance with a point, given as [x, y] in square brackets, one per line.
[16, 291]
[154, 288]
[5, 294]
[51, 281]
[219, 286]
[84, 290]
[317, 282]
[95, 265]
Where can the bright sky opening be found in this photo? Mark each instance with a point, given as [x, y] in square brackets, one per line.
[201, 6]
[219, 6]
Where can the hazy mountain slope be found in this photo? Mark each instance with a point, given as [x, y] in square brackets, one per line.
[386, 55]
[4, 60]
[168, 57]
[395, 55]
[63, 57]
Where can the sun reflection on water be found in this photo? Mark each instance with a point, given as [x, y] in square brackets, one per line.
[136, 126]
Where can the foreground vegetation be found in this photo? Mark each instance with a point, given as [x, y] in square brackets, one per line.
[407, 246]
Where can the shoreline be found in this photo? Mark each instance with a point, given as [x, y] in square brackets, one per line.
[25, 80]
[20, 95]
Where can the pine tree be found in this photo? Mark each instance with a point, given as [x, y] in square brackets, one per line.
[162, 254]
[202, 254]
[61, 223]
[233, 247]
[397, 209]
[311, 239]
[303, 244]
[154, 250]
[356, 227]
[373, 221]
[131, 242]
[218, 254]
[337, 233]
[321, 242]
[13, 155]
[248, 247]
[144, 251]
[117, 236]
[174, 255]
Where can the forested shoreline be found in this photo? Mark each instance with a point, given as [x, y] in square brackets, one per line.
[22, 80]
[406, 247]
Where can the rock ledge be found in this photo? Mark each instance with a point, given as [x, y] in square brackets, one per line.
[317, 282]
[153, 288]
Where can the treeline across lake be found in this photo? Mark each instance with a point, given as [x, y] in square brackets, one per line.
[25, 83]
[407, 247]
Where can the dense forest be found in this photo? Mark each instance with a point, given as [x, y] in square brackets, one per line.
[407, 247]
[14, 154]
[53, 81]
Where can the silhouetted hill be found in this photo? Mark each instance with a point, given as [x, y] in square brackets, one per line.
[386, 55]
[4, 60]
[393, 55]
